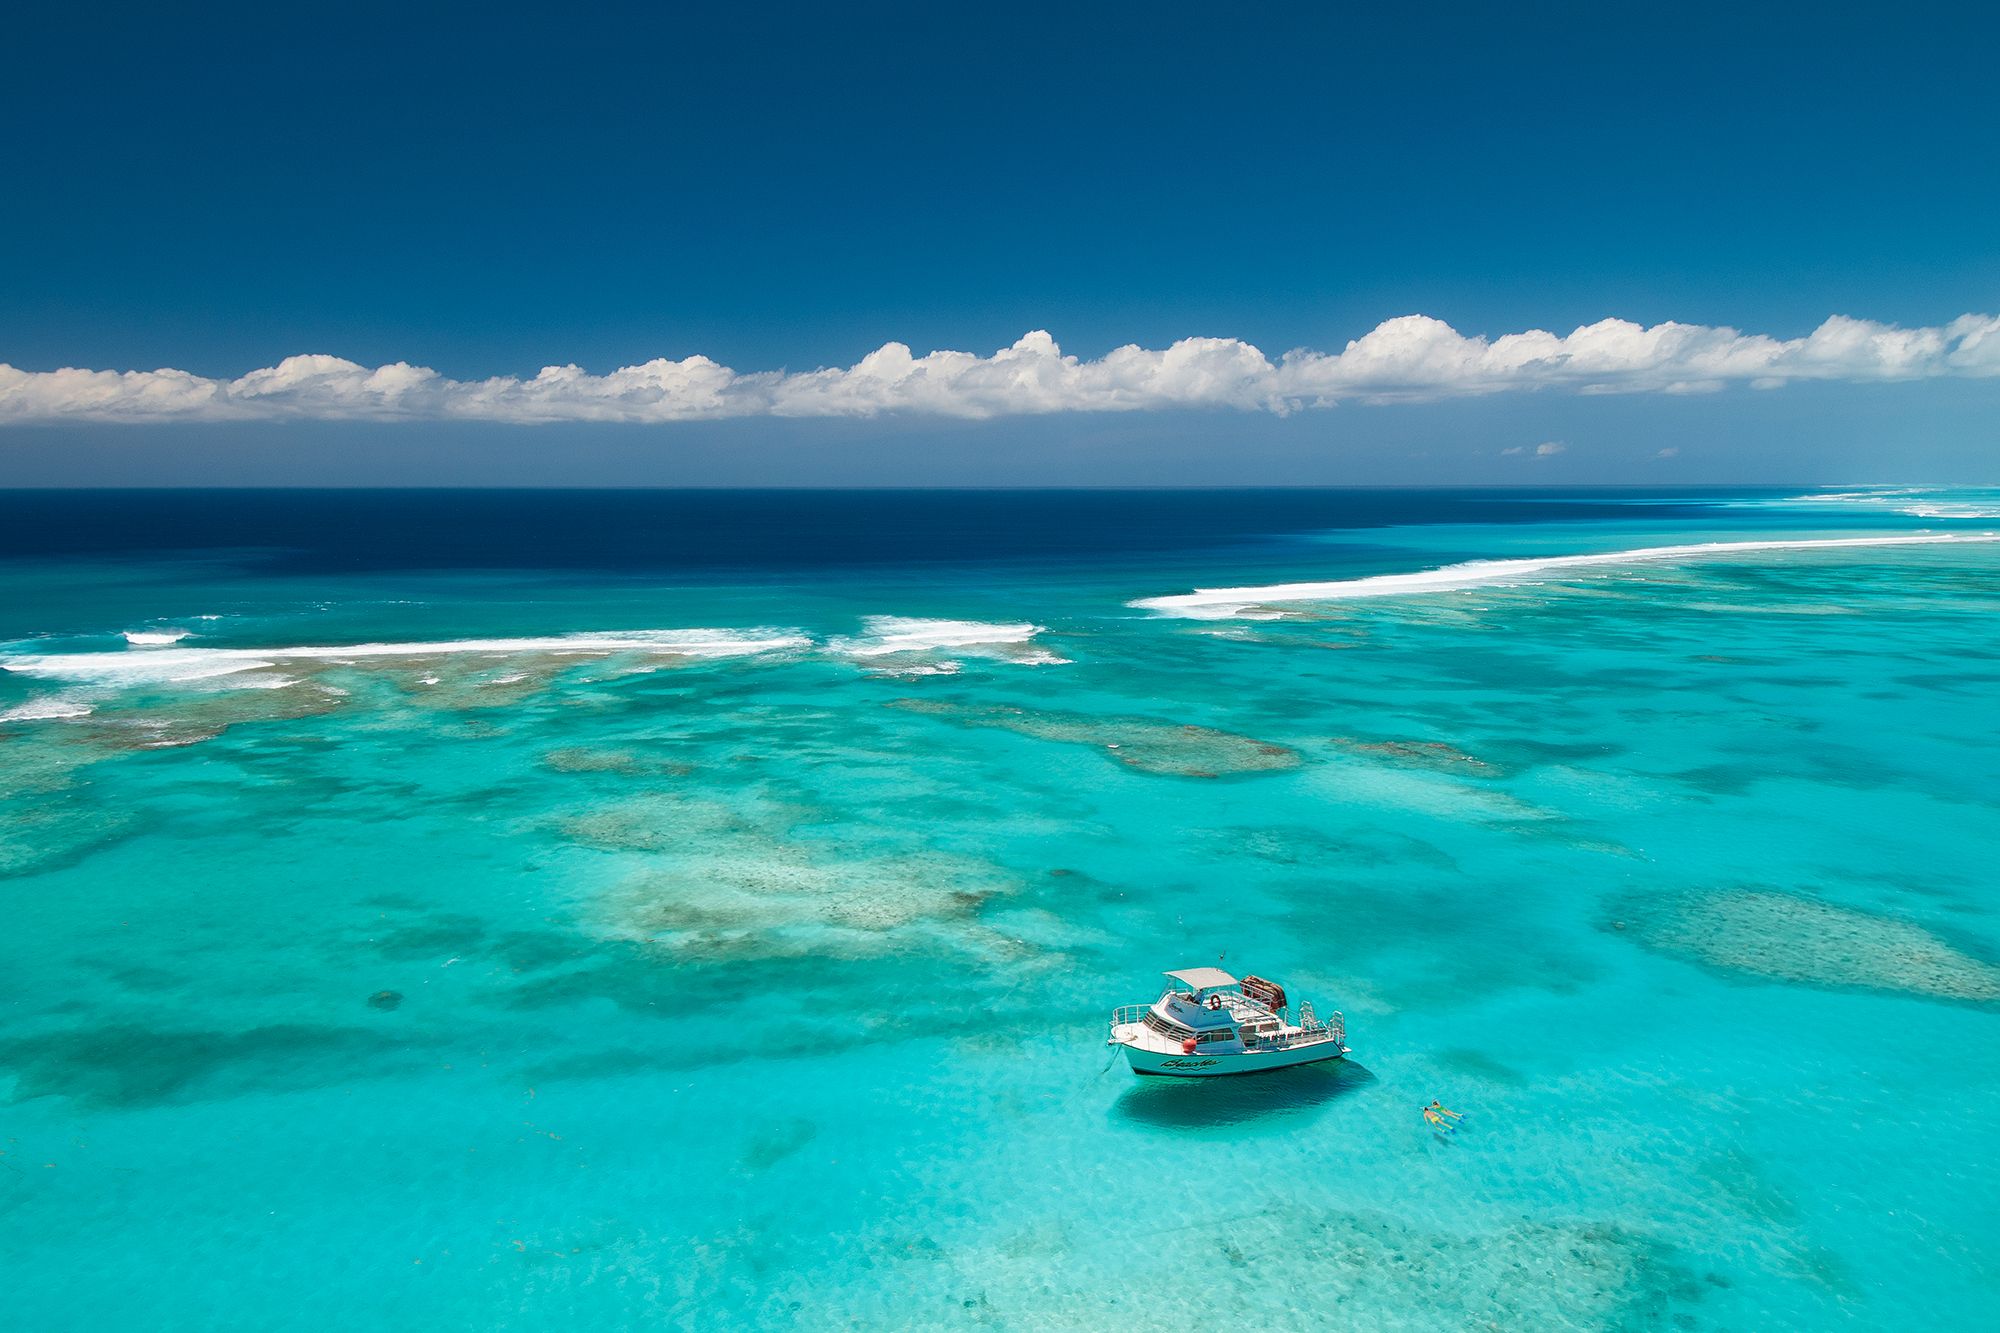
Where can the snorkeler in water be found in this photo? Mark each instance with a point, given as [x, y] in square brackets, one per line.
[1441, 1118]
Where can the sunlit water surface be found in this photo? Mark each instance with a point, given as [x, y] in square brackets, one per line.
[758, 976]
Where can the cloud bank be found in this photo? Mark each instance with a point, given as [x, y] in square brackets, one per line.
[1410, 359]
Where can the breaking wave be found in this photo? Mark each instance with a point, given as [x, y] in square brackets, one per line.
[1226, 603]
[45, 710]
[1936, 502]
[166, 665]
[152, 659]
[886, 636]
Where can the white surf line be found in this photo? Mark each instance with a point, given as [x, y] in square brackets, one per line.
[184, 664]
[887, 635]
[45, 710]
[1224, 603]
[1946, 502]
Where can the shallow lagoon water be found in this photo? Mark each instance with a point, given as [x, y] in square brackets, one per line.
[768, 986]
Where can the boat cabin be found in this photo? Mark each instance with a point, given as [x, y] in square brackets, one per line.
[1207, 1009]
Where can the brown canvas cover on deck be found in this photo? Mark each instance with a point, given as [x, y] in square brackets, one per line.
[1265, 992]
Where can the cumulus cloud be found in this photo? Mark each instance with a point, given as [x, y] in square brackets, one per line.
[1413, 358]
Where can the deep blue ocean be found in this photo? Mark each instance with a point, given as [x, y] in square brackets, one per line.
[535, 910]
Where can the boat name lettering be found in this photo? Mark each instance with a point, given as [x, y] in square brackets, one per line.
[1187, 1064]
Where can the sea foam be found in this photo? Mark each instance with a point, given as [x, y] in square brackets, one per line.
[180, 665]
[1935, 502]
[50, 709]
[886, 636]
[1225, 603]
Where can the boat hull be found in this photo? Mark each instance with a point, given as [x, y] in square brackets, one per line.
[1174, 1064]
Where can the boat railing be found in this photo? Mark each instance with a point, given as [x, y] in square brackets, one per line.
[1310, 1031]
[1234, 996]
[1126, 1014]
[1334, 1028]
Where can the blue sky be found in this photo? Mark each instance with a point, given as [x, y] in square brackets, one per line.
[485, 194]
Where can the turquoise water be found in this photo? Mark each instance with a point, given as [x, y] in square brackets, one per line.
[758, 975]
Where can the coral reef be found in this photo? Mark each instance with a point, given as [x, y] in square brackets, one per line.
[1788, 937]
[1435, 756]
[1149, 745]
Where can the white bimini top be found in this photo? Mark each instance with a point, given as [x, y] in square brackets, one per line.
[1203, 978]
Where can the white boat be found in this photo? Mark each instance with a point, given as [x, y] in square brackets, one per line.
[1209, 1023]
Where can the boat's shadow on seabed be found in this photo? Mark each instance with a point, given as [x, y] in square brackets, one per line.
[1280, 1098]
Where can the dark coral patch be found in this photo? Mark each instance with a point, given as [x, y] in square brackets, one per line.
[1435, 756]
[1168, 749]
[1782, 936]
[130, 1065]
